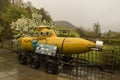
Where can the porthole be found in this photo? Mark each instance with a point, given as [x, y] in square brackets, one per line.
[47, 33]
[41, 33]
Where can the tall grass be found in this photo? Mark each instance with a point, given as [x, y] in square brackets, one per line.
[109, 56]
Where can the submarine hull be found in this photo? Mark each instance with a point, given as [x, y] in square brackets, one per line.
[64, 45]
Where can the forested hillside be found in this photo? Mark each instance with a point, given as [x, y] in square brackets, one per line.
[12, 10]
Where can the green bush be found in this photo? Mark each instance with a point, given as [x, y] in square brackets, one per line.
[112, 41]
[111, 56]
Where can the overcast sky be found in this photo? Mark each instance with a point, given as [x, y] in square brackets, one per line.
[84, 12]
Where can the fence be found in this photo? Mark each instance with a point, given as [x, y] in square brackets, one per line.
[94, 65]
[8, 44]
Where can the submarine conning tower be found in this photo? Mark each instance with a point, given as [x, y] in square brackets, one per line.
[44, 32]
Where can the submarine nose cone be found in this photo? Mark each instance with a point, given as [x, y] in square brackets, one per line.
[99, 45]
[91, 44]
[96, 46]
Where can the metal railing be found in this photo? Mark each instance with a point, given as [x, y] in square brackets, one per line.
[94, 65]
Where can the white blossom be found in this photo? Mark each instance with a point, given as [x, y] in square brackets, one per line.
[25, 26]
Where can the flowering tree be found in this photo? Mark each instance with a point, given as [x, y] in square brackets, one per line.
[25, 26]
[21, 27]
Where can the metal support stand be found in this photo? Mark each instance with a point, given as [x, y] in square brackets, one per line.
[77, 67]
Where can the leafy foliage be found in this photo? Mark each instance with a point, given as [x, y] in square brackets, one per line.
[111, 41]
[25, 26]
[85, 33]
[11, 12]
[111, 35]
[45, 15]
[97, 30]
[3, 5]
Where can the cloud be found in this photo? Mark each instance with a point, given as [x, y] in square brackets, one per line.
[84, 12]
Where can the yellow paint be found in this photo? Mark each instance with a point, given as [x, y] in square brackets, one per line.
[46, 35]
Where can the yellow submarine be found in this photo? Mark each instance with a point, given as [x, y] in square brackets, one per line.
[66, 45]
[55, 52]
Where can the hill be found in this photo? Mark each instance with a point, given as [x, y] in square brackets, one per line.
[64, 24]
